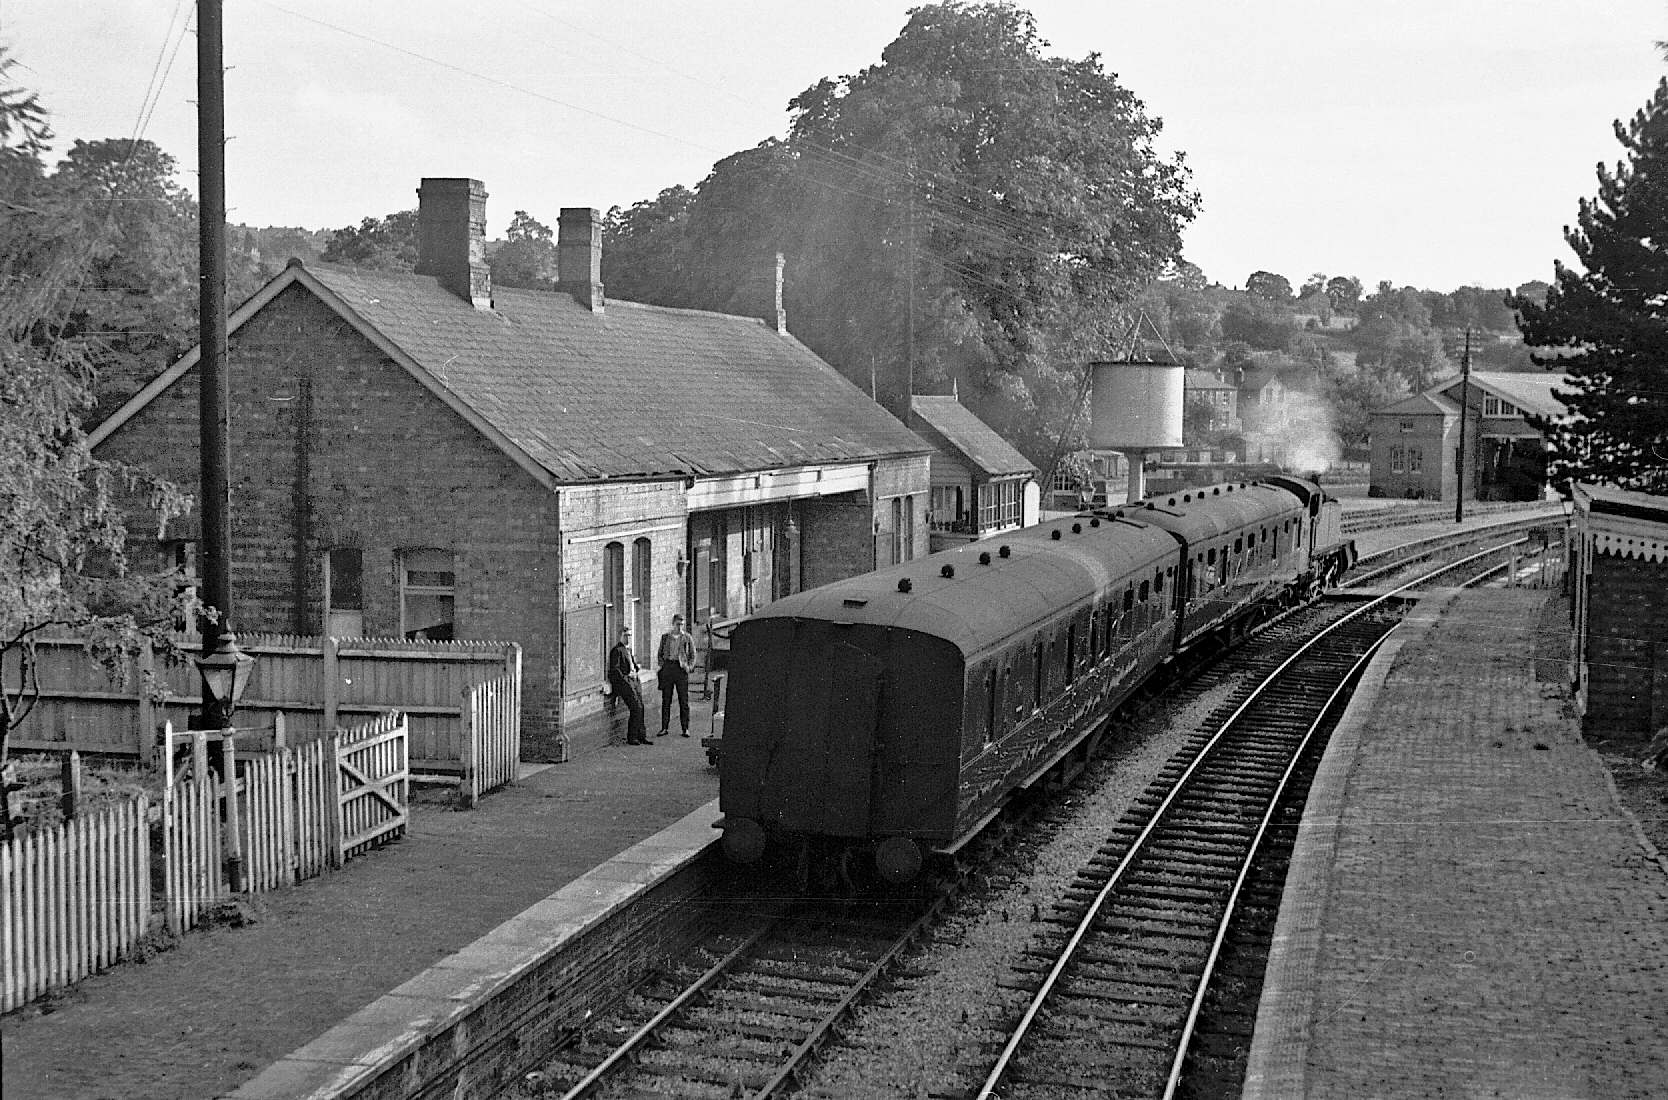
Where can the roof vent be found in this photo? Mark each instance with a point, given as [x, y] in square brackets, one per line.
[1077, 528]
[904, 585]
[947, 571]
[1216, 492]
[1151, 505]
[1186, 498]
[984, 557]
[1172, 502]
[1004, 551]
[1095, 522]
[1054, 534]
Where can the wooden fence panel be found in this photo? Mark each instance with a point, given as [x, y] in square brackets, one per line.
[492, 736]
[373, 770]
[76, 897]
[191, 843]
[318, 683]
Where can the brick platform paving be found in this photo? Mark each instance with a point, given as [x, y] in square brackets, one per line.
[1469, 913]
[198, 1020]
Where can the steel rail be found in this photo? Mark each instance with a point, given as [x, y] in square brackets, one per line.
[1228, 911]
[640, 1036]
[987, 1091]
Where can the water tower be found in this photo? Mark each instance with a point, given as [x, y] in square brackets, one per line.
[1134, 408]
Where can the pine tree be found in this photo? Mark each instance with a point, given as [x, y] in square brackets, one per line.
[1607, 327]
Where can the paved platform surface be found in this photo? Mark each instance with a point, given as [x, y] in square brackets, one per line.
[200, 1019]
[1469, 912]
[1385, 538]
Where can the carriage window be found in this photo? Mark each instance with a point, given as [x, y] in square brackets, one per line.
[1129, 598]
[1037, 675]
[1239, 546]
[1144, 590]
[1158, 581]
[990, 705]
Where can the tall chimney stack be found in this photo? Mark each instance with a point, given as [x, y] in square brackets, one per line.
[579, 256]
[451, 237]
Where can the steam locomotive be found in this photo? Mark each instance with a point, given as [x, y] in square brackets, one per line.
[878, 720]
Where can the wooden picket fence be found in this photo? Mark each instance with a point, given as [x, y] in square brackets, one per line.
[491, 736]
[76, 897]
[79, 896]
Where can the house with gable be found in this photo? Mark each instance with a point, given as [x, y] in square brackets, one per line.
[1415, 442]
[426, 455]
[981, 484]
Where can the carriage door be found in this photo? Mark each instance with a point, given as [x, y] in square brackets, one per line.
[838, 776]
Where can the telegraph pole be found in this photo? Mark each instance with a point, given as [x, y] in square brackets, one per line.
[1465, 405]
[214, 449]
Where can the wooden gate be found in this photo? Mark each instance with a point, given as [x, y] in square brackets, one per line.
[372, 774]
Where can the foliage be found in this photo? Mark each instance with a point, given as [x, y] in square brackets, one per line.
[1256, 323]
[527, 258]
[382, 244]
[1606, 326]
[969, 205]
[63, 538]
[1344, 291]
[1268, 286]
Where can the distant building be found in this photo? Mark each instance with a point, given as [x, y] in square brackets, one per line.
[980, 483]
[1222, 396]
[1415, 442]
[1620, 573]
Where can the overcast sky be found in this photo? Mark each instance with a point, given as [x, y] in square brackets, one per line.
[1428, 142]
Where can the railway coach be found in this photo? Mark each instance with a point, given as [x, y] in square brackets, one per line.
[891, 715]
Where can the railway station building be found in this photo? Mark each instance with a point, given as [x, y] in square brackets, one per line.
[1620, 570]
[428, 456]
[1415, 442]
[981, 485]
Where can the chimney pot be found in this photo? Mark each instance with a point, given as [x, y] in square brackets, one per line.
[451, 237]
[579, 255]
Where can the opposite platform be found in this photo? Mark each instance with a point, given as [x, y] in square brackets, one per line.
[1468, 911]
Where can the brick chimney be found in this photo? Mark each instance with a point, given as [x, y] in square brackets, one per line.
[764, 295]
[451, 237]
[579, 256]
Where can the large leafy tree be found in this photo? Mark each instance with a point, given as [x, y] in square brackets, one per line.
[527, 258]
[383, 244]
[63, 536]
[1606, 326]
[970, 205]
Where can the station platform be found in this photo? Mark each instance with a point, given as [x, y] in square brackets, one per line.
[1469, 912]
[216, 1011]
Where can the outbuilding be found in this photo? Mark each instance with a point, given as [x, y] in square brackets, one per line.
[427, 455]
[981, 484]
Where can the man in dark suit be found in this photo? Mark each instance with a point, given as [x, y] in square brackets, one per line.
[622, 678]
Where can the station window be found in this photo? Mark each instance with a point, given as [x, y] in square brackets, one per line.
[427, 583]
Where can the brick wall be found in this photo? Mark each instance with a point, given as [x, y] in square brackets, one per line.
[1626, 647]
[592, 518]
[335, 445]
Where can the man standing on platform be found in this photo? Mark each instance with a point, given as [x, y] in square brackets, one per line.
[622, 678]
[677, 657]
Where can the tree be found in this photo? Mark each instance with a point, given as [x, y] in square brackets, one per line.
[1354, 397]
[63, 539]
[1268, 286]
[1606, 327]
[1255, 323]
[527, 258]
[1314, 284]
[382, 244]
[1344, 292]
[969, 205]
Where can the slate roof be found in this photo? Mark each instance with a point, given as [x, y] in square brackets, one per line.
[1425, 404]
[632, 391]
[1529, 391]
[1197, 379]
[975, 440]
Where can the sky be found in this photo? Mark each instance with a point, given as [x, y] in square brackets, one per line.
[1432, 143]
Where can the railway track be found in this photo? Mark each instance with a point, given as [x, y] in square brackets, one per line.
[746, 1014]
[1115, 989]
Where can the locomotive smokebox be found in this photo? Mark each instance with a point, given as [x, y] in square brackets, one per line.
[1135, 408]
